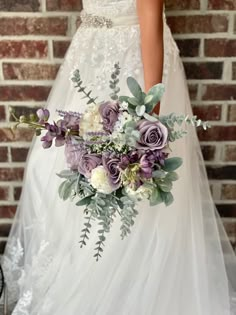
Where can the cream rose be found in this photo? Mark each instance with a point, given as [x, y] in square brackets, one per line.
[100, 180]
[91, 121]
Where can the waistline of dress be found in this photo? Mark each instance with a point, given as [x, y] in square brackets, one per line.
[98, 21]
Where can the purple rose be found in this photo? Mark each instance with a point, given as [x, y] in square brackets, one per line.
[87, 162]
[109, 112]
[111, 164]
[153, 135]
[43, 115]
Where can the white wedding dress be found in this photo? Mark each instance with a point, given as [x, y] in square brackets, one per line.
[177, 260]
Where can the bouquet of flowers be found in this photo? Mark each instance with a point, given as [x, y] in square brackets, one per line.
[117, 153]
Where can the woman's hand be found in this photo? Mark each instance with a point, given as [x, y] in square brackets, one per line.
[150, 14]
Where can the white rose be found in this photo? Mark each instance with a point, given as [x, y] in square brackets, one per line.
[143, 192]
[100, 181]
[91, 121]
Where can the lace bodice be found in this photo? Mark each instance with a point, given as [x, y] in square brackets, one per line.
[110, 7]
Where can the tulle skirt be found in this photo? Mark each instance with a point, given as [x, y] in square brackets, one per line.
[177, 260]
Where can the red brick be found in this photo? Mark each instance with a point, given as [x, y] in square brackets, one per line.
[230, 153]
[4, 229]
[185, 24]
[23, 6]
[2, 113]
[60, 48]
[29, 71]
[193, 90]
[232, 113]
[234, 71]
[23, 49]
[218, 133]
[227, 210]
[222, 5]
[189, 47]
[221, 172]
[19, 154]
[203, 70]
[182, 4]
[4, 193]
[220, 47]
[24, 93]
[2, 246]
[229, 191]
[230, 227]
[3, 154]
[11, 174]
[20, 134]
[34, 26]
[63, 5]
[219, 92]
[207, 112]
[17, 193]
[208, 152]
[7, 212]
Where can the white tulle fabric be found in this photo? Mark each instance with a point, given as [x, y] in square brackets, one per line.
[178, 259]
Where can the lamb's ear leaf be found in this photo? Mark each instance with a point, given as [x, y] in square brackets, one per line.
[140, 110]
[156, 92]
[156, 197]
[135, 88]
[172, 164]
[167, 198]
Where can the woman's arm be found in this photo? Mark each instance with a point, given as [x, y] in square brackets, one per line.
[150, 14]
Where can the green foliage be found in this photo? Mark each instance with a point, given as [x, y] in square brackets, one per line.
[172, 164]
[114, 82]
[128, 213]
[76, 78]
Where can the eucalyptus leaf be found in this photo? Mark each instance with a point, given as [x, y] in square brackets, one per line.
[85, 201]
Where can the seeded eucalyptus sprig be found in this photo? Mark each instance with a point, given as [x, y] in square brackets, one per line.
[172, 119]
[76, 78]
[114, 82]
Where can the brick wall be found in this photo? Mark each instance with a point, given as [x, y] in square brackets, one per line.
[34, 38]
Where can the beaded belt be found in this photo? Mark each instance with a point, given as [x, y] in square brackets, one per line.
[96, 21]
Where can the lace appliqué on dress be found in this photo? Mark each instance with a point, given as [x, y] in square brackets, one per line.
[18, 276]
[99, 50]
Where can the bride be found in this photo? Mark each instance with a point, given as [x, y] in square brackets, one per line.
[178, 259]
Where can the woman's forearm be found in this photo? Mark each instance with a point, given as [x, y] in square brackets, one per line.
[150, 14]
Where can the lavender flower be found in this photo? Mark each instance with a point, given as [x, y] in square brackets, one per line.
[43, 115]
[54, 131]
[153, 135]
[146, 165]
[109, 112]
